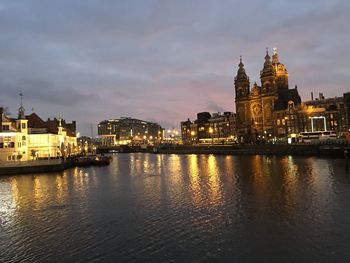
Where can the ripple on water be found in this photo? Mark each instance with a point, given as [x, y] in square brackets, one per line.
[182, 208]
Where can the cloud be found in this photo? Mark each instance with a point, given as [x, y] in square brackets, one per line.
[162, 60]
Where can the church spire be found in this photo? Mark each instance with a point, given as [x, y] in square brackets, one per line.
[240, 61]
[275, 59]
[241, 74]
[241, 81]
[267, 59]
[21, 110]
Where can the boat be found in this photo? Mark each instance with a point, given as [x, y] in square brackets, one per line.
[82, 161]
[101, 160]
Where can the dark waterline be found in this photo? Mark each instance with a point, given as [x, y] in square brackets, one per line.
[180, 208]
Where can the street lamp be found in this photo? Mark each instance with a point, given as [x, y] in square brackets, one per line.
[211, 133]
[193, 133]
[286, 124]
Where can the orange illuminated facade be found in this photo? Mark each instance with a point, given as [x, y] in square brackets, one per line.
[255, 106]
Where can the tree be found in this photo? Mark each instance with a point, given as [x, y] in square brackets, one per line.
[33, 153]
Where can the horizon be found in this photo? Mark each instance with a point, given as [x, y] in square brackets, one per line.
[162, 62]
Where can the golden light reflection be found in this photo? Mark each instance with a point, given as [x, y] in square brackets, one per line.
[175, 170]
[257, 166]
[20, 190]
[146, 164]
[193, 171]
[214, 180]
[290, 171]
[159, 164]
[260, 181]
[61, 188]
[80, 180]
[38, 193]
[7, 202]
[229, 169]
[136, 163]
[289, 176]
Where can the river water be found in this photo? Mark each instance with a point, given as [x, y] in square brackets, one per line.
[180, 208]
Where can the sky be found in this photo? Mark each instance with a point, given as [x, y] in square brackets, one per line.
[159, 60]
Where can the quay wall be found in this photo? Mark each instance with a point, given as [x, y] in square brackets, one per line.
[34, 167]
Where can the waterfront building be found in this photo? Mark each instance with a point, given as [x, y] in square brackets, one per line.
[256, 105]
[29, 137]
[126, 130]
[88, 144]
[189, 132]
[209, 128]
[328, 114]
[320, 114]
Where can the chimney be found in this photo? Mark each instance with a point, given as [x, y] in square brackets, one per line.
[1, 113]
[312, 95]
[320, 95]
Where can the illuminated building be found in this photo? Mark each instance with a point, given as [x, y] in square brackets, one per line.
[29, 137]
[255, 106]
[189, 132]
[320, 114]
[328, 113]
[127, 130]
[210, 128]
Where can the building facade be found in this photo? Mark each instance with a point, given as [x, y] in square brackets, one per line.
[127, 130]
[255, 106]
[218, 128]
[29, 137]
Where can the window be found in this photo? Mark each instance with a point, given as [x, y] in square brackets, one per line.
[23, 125]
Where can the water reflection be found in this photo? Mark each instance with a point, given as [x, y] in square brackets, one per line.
[169, 207]
[193, 171]
[214, 181]
[7, 202]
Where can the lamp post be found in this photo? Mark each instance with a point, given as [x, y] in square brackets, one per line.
[286, 124]
[211, 133]
[193, 133]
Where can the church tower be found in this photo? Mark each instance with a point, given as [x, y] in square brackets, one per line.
[257, 107]
[280, 72]
[22, 122]
[241, 82]
[267, 76]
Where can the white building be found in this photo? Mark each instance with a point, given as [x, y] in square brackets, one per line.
[29, 137]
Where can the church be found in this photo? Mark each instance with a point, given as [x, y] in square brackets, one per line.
[255, 105]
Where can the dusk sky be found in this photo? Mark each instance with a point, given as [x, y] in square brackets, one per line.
[162, 61]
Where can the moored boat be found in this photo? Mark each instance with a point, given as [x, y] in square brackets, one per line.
[101, 160]
[82, 161]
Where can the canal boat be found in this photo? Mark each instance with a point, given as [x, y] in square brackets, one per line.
[82, 161]
[101, 160]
